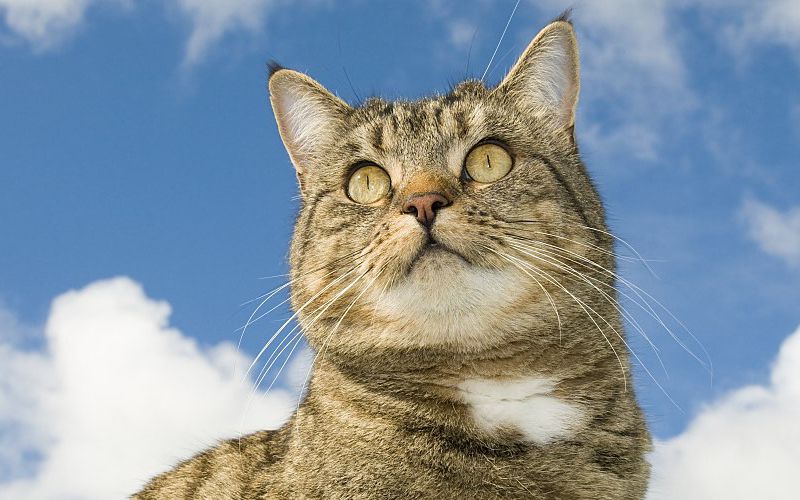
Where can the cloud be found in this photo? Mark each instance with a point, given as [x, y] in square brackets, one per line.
[460, 33]
[213, 19]
[115, 396]
[634, 77]
[115, 384]
[43, 23]
[638, 95]
[749, 24]
[744, 446]
[47, 24]
[777, 233]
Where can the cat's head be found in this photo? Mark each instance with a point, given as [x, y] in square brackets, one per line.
[448, 223]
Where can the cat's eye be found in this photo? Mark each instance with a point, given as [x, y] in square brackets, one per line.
[368, 184]
[488, 162]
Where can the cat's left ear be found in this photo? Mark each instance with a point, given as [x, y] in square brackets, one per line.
[547, 75]
[308, 117]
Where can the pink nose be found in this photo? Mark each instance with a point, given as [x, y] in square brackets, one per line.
[424, 206]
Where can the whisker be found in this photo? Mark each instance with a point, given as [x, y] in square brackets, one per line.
[580, 243]
[644, 305]
[332, 332]
[250, 321]
[549, 298]
[469, 53]
[621, 338]
[590, 228]
[272, 293]
[611, 300]
[502, 58]
[294, 315]
[273, 276]
[583, 276]
[320, 310]
[273, 357]
[501, 40]
[296, 340]
[297, 336]
[520, 263]
[305, 273]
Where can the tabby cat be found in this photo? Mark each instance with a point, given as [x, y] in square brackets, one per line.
[452, 268]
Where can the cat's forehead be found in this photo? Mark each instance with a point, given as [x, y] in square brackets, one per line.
[428, 126]
[464, 91]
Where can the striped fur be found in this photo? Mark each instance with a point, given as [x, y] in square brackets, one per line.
[403, 334]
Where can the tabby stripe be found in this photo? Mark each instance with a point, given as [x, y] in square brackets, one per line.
[309, 218]
[560, 179]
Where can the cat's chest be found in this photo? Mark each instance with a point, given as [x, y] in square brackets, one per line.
[526, 405]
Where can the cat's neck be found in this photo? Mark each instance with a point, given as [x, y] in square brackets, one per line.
[499, 410]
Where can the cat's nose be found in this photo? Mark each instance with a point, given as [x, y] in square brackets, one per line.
[424, 206]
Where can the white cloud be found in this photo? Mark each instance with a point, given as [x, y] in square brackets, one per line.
[43, 23]
[115, 384]
[460, 33]
[744, 446]
[213, 19]
[768, 22]
[115, 396]
[46, 24]
[634, 80]
[777, 233]
[637, 92]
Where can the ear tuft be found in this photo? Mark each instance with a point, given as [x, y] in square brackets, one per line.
[308, 115]
[564, 16]
[546, 78]
[273, 67]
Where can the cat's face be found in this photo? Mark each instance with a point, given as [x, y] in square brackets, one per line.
[447, 223]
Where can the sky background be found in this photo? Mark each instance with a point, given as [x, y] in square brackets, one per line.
[136, 140]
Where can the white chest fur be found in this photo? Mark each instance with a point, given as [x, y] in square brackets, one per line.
[524, 404]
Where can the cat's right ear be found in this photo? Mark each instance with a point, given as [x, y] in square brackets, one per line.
[307, 114]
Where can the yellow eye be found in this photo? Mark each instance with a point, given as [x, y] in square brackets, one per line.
[488, 163]
[368, 184]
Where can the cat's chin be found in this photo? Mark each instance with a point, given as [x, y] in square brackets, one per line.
[443, 299]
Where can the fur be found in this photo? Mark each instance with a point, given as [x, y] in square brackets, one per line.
[491, 365]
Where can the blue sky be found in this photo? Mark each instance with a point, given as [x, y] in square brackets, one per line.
[136, 140]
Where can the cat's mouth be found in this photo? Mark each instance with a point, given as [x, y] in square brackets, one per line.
[435, 251]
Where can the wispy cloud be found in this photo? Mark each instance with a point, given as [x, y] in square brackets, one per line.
[212, 20]
[117, 391]
[634, 78]
[48, 24]
[460, 33]
[44, 23]
[747, 24]
[744, 446]
[115, 384]
[636, 85]
[776, 232]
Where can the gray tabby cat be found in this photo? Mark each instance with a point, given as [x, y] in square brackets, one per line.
[452, 267]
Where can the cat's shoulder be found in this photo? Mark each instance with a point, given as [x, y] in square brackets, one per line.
[231, 469]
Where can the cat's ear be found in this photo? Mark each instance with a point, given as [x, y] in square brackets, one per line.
[547, 75]
[307, 115]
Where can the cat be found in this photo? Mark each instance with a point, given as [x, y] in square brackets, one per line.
[452, 267]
